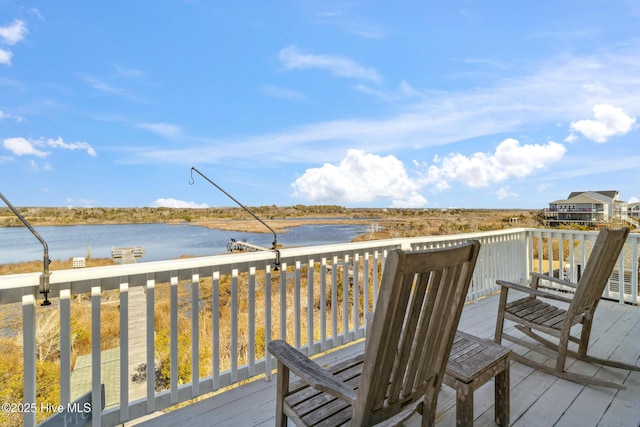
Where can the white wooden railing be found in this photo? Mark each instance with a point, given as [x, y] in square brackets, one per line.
[305, 302]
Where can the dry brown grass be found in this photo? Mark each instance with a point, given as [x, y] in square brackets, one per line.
[36, 266]
[225, 314]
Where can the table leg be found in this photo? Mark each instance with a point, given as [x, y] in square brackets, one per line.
[502, 396]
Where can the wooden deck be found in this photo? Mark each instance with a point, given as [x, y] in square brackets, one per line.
[537, 399]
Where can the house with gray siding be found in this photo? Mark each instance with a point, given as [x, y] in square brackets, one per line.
[589, 208]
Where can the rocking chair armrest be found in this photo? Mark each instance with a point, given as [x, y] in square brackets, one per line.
[532, 291]
[535, 275]
[310, 372]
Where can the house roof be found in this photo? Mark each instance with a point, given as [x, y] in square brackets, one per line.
[579, 198]
[611, 194]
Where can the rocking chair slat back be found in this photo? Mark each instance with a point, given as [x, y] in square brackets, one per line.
[417, 313]
[601, 262]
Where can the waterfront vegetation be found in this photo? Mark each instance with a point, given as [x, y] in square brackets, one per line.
[403, 218]
[75, 216]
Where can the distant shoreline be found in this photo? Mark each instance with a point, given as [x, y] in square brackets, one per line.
[393, 222]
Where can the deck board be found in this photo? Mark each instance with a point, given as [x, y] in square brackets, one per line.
[536, 398]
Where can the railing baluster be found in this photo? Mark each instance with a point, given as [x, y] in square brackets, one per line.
[215, 328]
[151, 371]
[355, 311]
[572, 258]
[283, 301]
[621, 278]
[234, 325]
[345, 300]
[561, 256]
[334, 301]
[634, 270]
[550, 249]
[310, 308]
[267, 320]
[124, 349]
[252, 321]
[195, 333]
[296, 305]
[365, 286]
[96, 365]
[65, 344]
[173, 340]
[323, 304]
[29, 356]
[583, 255]
[375, 272]
[540, 253]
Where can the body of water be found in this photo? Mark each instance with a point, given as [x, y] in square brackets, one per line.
[160, 241]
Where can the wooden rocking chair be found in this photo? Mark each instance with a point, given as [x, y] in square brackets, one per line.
[532, 313]
[418, 309]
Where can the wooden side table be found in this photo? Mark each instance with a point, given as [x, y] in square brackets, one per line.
[473, 362]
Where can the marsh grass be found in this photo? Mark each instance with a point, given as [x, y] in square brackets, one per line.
[227, 292]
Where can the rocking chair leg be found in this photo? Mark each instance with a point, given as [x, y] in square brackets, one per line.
[562, 350]
[282, 384]
[577, 355]
[610, 363]
[579, 378]
[427, 410]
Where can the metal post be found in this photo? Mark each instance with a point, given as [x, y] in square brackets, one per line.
[44, 278]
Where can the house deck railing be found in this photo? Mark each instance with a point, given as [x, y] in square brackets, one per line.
[223, 309]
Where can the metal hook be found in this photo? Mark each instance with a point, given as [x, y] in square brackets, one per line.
[44, 278]
[192, 181]
[275, 237]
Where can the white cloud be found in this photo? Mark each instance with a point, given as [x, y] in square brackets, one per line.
[359, 178]
[608, 121]
[35, 167]
[504, 193]
[633, 200]
[30, 147]
[10, 35]
[343, 19]
[404, 91]
[167, 130]
[87, 203]
[339, 66]
[128, 72]
[59, 143]
[174, 203]
[510, 159]
[23, 147]
[5, 56]
[13, 33]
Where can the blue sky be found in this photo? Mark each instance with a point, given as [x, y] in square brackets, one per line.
[495, 104]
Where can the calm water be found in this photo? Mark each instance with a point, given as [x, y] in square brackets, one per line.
[160, 241]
